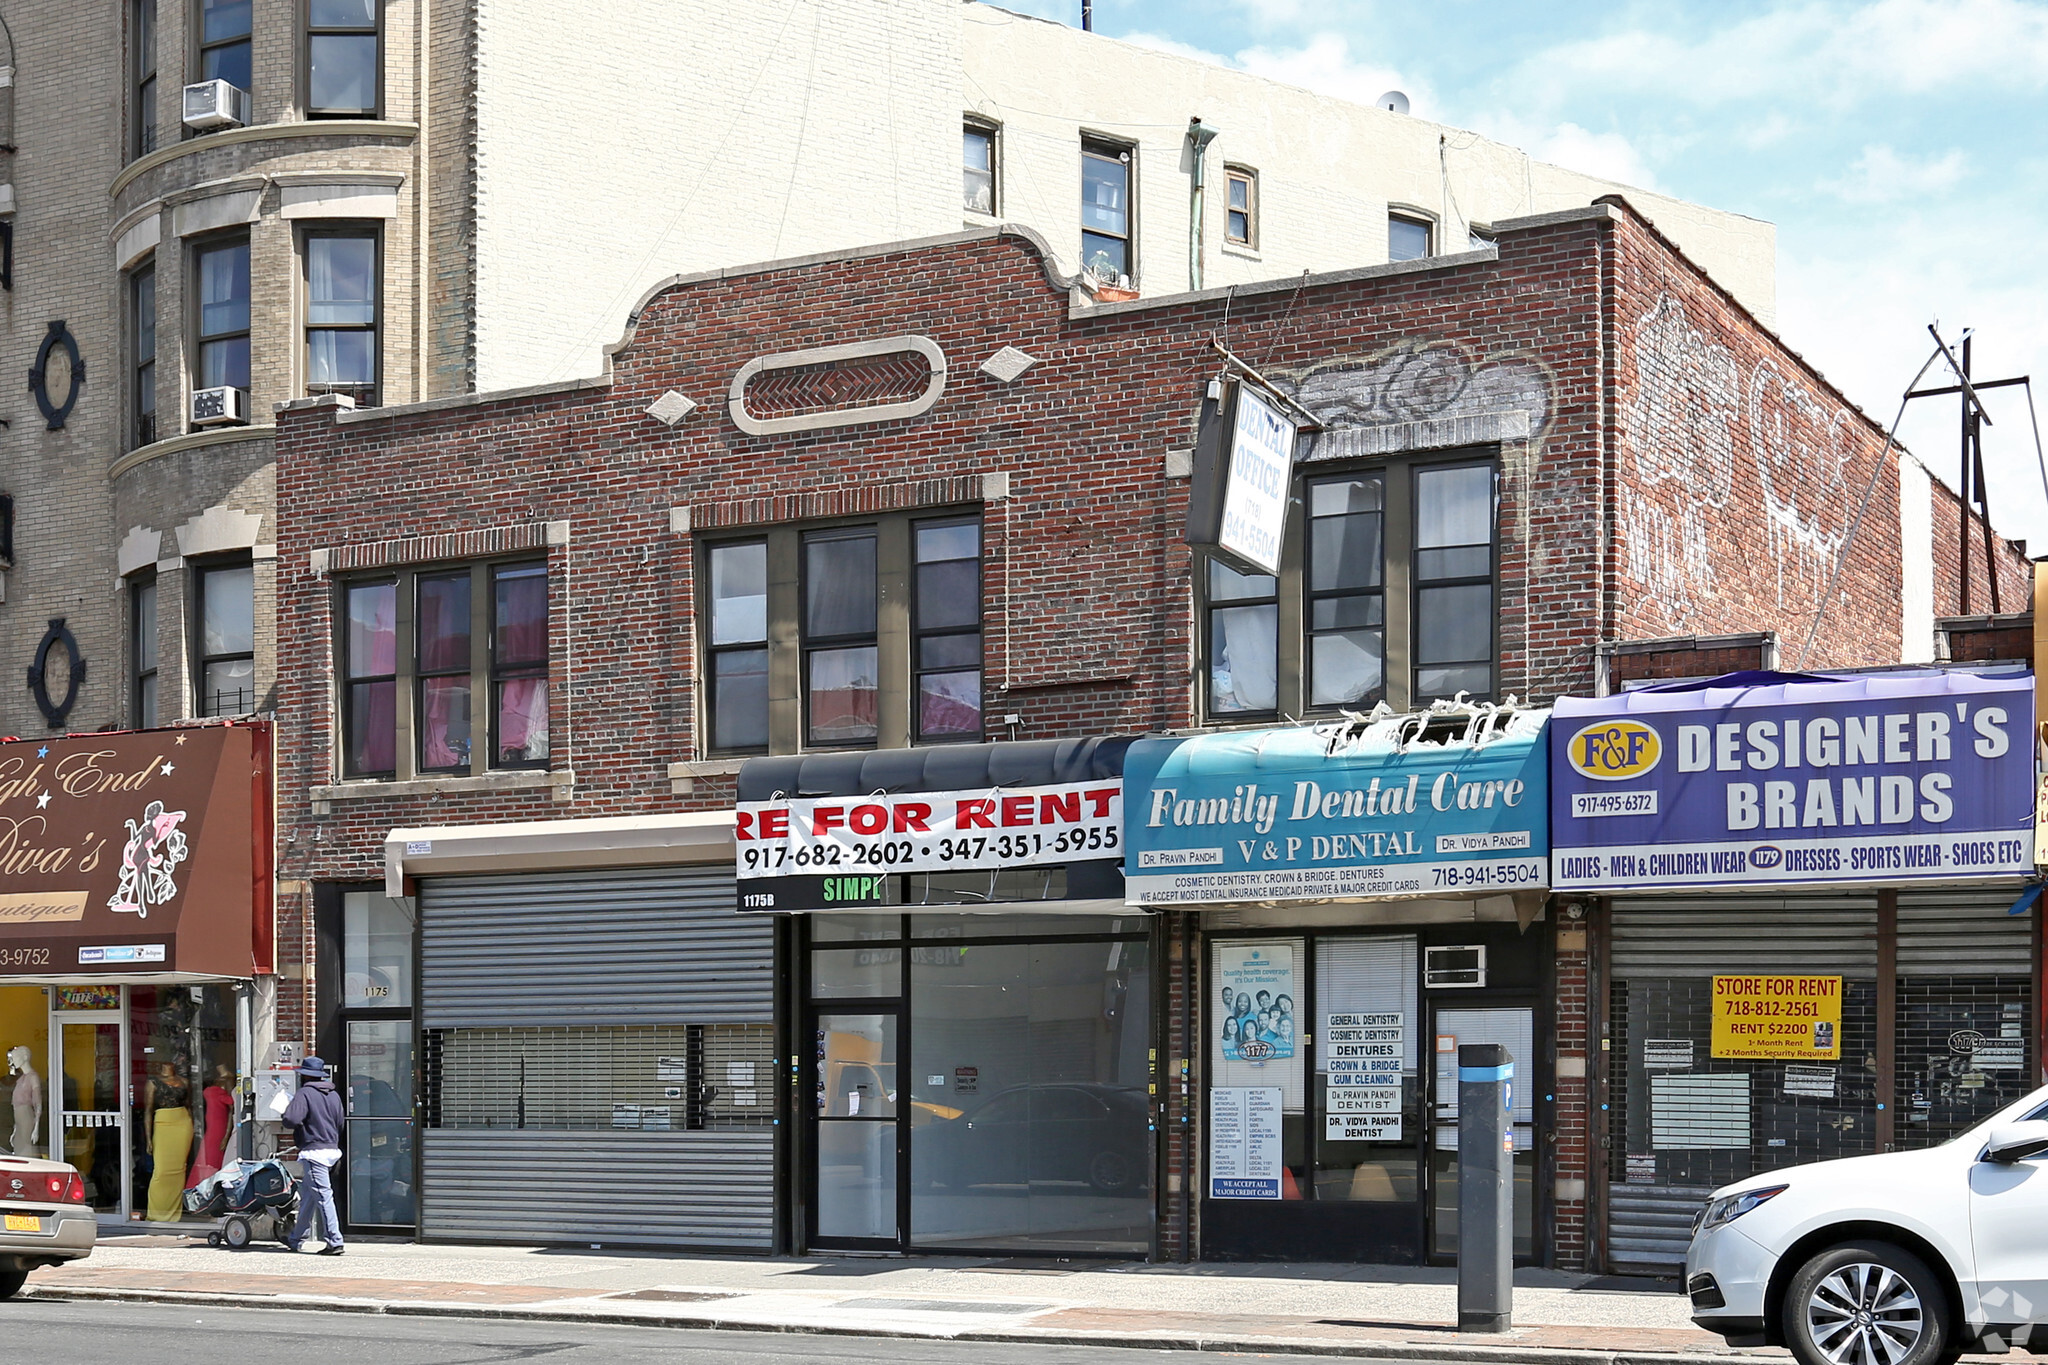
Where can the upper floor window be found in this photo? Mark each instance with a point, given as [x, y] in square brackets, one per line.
[224, 50]
[1241, 210]
[142, 649]
[424, 690]
[222, 276]
[341, 58]
[341, 291]
[802, 617]
[142, 50]
[1106, 212]
[978, 168]
[1386, 593]
[1408, 239]
[142, 334]
[226, 644]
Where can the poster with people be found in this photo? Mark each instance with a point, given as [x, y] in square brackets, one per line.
[1256, 999]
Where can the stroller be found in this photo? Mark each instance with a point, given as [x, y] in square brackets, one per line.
[244, 1195]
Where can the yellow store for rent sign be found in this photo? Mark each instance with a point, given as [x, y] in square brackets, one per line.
[1772, 1018]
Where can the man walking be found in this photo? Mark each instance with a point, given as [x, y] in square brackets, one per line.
[315, 1117]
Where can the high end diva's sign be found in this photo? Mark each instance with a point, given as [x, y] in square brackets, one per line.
[1778, 780]
[130, 852]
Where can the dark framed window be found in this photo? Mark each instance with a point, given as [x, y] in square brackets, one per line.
[1408, 238]
[224, 613]
[142, 359]
[842, 654]
[142, 60]
[343, 70]
[342, 293]
[978, 168]
[1241, 206]
[1386, 592]
[736, 645]
[221, 276]
[519, 666]
[142, 649]
[224, 47]
[1106, 212]
[445, 670]
[369, 679]
[846, 635]
[946, 629]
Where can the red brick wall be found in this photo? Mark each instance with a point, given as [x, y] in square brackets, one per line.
[1574, 1155]
[2015, 571]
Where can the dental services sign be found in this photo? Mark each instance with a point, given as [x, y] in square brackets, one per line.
[1767, 779]
[1337, 812]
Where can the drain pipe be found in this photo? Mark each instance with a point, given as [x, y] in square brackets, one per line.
[1200, 135]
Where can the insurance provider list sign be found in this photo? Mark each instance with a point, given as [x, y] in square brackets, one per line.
[1322, 814]
[1766, 781]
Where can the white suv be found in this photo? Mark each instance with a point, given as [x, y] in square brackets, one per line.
[1909, 1258]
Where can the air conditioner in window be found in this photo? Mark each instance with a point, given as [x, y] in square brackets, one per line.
[220, 407]
[215, 104]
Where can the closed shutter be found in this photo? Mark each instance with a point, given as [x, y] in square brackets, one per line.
[629, 946]
[1684, 1122]
[598, 1059]
[1966, 991]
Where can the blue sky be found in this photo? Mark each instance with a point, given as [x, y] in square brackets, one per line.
[1901, 146]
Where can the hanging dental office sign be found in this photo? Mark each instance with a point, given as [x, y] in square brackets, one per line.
[1242, 478]
[1339, 812]
[1771, 779]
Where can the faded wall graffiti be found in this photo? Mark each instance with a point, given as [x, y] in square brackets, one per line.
[1418, 380]
[1703, 442]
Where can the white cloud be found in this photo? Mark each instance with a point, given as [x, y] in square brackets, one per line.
[1323, 64]
[1882, 176]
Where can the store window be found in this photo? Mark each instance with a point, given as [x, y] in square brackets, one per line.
[863, 677]
[424, 690]
[182, 1078]
[1336, 629]
[226, 645]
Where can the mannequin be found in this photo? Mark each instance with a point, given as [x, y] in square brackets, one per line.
[28, 1101]
[220, 1107]
[167, 1098]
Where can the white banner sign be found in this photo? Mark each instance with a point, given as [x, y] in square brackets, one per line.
[930, 831]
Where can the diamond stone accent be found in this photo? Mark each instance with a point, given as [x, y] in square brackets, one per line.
[670, 408]
[1005, 365]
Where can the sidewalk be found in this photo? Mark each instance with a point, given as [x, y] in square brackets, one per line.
[1364, 1311]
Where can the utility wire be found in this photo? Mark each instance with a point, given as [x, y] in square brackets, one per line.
[1891, 439]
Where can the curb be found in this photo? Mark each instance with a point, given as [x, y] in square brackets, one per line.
[1461, 1354]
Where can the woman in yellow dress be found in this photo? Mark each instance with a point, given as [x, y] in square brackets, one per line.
[168, 1098]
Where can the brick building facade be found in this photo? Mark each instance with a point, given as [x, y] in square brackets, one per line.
[1665, 470]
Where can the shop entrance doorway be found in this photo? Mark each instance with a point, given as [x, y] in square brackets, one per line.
[1514, 1028]
[858, 1172]
[88, 1119]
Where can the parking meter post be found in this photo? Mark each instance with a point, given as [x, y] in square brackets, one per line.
[1486, 1188]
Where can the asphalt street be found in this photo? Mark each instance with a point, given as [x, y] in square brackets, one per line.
[123, 1333]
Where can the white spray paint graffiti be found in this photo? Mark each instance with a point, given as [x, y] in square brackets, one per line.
[1682, 426]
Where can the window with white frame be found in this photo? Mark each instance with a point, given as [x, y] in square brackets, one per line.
[341, 294]
[1106, 247]
[1241, 207]
[978, 168]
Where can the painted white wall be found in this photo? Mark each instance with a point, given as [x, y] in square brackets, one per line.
[1327, 168]
[1916, 562]
[623, 141]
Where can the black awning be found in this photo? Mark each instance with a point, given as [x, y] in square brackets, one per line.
[938, 768]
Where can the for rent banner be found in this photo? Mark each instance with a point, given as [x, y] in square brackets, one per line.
[1338, 812]
[1780, 780]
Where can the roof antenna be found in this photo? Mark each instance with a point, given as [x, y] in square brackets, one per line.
[1087, 16]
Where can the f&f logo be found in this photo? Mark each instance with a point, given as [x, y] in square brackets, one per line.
[1611, 750]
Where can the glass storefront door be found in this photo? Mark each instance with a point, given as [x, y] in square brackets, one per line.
[1515, 1029]
[88, 1114]
[857, 1139]
[378, 1141]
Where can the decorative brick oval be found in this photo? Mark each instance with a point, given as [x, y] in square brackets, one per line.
[884, 380]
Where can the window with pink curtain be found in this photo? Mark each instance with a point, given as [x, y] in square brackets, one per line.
[370, 671]
[519, 666]
[441, 624]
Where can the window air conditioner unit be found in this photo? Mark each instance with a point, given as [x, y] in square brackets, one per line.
[220, 407]
[215, 104]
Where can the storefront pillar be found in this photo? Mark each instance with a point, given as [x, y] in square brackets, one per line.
[1570, 1150]
[1884, 1083]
